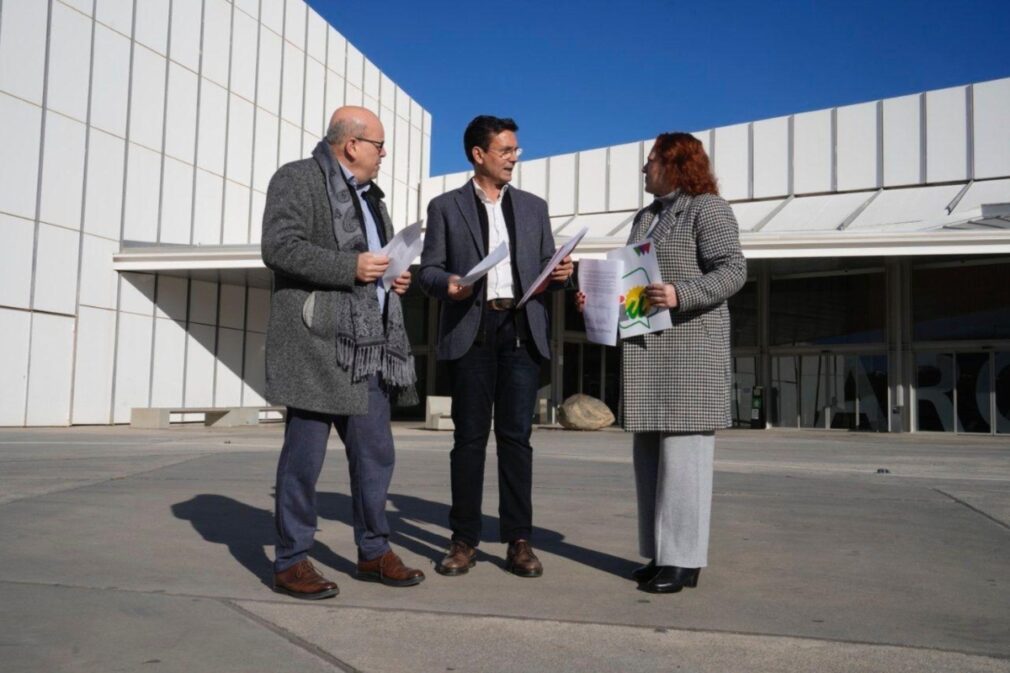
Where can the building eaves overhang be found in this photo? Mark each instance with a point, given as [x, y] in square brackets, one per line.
[243, 264]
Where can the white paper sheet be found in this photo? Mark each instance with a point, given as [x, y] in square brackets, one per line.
[485, 265]
[600, 281]
[641, 268]
[559, 255]
[402, 250]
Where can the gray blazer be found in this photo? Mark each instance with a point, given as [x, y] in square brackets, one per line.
[299, 246]
[680, 379]
[453, 244]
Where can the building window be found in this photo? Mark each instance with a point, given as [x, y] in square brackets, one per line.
[846, 392]
[960, 301]
[1002, 386]
[744, 316]
[828, 309]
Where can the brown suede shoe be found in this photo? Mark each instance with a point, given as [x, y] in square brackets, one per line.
[389, 570]
[520, 560]
[458, 560]
[302, 580]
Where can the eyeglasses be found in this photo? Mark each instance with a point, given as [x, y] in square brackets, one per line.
[379, 144]
[514, 152]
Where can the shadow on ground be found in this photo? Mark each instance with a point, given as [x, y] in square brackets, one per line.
[246, 530]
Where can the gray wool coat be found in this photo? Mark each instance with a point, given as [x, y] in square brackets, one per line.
[680, 379]
[300, 247]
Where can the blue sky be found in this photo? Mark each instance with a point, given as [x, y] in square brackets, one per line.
[578, 75]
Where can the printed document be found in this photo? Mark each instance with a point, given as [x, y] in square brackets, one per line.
[600, 281]
[402, 250]
[559, 255]
[485, 265]
[635, 315]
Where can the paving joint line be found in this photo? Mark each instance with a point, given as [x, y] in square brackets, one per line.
[327, 605]
[98, 482]
[974, 509]
[292, 638]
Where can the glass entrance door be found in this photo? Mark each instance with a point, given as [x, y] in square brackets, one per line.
[965, 392]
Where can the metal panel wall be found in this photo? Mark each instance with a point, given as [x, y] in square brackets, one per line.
[157, 121]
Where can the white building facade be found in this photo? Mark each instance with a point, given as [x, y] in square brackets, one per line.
[878, 244]
[161, 122]
[139, 137]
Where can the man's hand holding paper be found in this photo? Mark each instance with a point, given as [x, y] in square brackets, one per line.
[482, 268]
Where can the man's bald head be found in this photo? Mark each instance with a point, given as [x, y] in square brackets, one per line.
[357, 140]
[348, 122]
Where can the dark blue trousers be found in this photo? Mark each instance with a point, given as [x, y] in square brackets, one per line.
[368, 442]
[497, 376]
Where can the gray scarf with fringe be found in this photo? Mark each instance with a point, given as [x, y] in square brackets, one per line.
[364, 345]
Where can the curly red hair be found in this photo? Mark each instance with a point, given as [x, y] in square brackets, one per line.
[686, 165]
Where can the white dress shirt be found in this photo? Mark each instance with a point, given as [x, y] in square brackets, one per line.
[499, 279]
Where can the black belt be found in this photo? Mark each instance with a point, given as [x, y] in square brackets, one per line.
[501, 304]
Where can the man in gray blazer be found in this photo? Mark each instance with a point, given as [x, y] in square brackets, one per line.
[493, 348]
[336, 350]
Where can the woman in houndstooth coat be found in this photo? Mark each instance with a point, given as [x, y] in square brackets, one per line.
[677, 383]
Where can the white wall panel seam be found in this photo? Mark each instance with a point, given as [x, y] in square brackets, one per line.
[122, 217]
[923, 138]
[185, 342]
[154, 312]
[119, 32]
[227, 120]
[960, 195]
[641, 162]
[346, 62]
[859, 211]
[305, 69]
[259, 6]
[970, 130]
[39, 168]
[326, 87]
[196, 133]
[606, 181]
[245, 324]
[164, 135]
[84, 200]
[38, 311]
[791, 152]
[38, 204]
[750, 160]
[547, 183]
[578, 175]
[880, 144]
[280, 82]
[24, 100]
[712, 156]
[834, 149]
[771, 215]
[256, 97]
[217, 342]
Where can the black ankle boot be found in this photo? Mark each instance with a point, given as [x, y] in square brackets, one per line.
[643, 574]
[671, 579]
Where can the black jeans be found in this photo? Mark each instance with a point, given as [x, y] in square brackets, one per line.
[500, 375]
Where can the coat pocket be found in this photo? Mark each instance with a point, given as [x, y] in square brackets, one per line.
[319, 313]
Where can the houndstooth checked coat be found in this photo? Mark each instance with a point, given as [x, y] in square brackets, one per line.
[679, 380]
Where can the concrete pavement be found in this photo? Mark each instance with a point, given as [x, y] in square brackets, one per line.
[141, 550]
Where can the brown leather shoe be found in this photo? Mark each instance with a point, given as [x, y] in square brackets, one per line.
[302, 580]
[458, 560]
[389, 570]
[521, 560]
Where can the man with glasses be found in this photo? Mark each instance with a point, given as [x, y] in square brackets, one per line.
[493, 348]
[337, 350]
